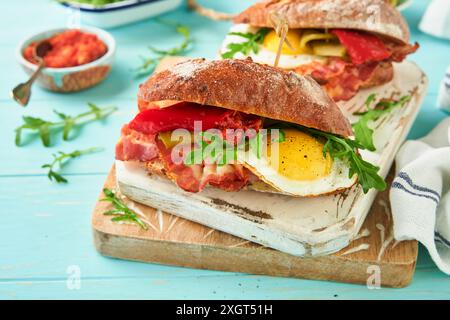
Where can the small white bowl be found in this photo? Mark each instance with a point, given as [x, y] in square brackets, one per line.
[121, 13]
[73, 78]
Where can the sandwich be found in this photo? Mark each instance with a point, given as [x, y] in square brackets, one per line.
[239, 125]
[345, 45]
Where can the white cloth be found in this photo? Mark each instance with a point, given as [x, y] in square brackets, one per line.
[444, 92]
[420, 194]
[436, 20]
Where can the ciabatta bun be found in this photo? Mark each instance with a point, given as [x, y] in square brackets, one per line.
[248, 87]
[375, 16]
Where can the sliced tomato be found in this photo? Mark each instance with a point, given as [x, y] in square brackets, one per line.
[361, 46]
[184, 115]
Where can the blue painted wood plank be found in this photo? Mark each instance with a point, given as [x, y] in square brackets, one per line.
[427, 285]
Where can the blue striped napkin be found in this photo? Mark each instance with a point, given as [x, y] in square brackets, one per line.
[420, 194]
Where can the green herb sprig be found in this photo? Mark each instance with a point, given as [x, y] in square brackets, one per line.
[347, 150]
[252, 44]
[121, 212]
[60, 159]
[67, 123]
[363, 132]
[215, 142]
[149, 64]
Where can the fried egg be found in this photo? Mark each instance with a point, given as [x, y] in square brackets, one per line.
[298, 167]
[289, 59]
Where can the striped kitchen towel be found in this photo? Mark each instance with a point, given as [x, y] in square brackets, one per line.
[444, 92]
[420, 194]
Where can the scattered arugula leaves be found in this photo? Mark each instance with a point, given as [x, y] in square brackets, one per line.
[121, 212]
[252, 44]
[45, 128]
[149, 64]
[60, 159]
[362, 129]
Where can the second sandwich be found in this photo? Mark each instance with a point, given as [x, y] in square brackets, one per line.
[345, 45]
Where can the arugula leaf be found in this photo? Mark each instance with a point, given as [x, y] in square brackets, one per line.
[45, 128]
[362, 129]
[251, 45]
[149, 64]
[347, 150]
[60, 159]
[197, 154]
[121, 210]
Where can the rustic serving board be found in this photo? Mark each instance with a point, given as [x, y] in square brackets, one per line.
[171, 240]
[300, 227]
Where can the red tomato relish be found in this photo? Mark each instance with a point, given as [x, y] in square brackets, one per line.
[70, 48]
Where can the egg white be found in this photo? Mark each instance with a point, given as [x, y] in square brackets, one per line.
[265, 56]
[337, 179]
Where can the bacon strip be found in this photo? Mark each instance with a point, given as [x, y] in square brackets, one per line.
[134, 145]
[342, 80]
[194, 178]
[399, 52]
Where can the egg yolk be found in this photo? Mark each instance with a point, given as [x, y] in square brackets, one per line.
[300, 157]
[272, 43]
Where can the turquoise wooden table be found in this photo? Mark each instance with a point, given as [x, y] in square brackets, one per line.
[45, 232]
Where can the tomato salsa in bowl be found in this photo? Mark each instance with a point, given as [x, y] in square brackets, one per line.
[78, 58]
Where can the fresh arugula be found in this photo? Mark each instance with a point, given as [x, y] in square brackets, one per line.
[60, 159]
[347, 150]
[362, 129]
[215, 142]
[121, 212]
[67, 123]
[252, 44]
[149, 63]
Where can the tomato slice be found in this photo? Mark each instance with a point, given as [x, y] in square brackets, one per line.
[184, 115]
[362, 47]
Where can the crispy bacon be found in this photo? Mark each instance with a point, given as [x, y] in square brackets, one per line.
[194, 178]
[342, 79]
[134, 145]
[399, 52]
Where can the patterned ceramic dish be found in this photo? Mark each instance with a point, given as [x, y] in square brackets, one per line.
[74, 78]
